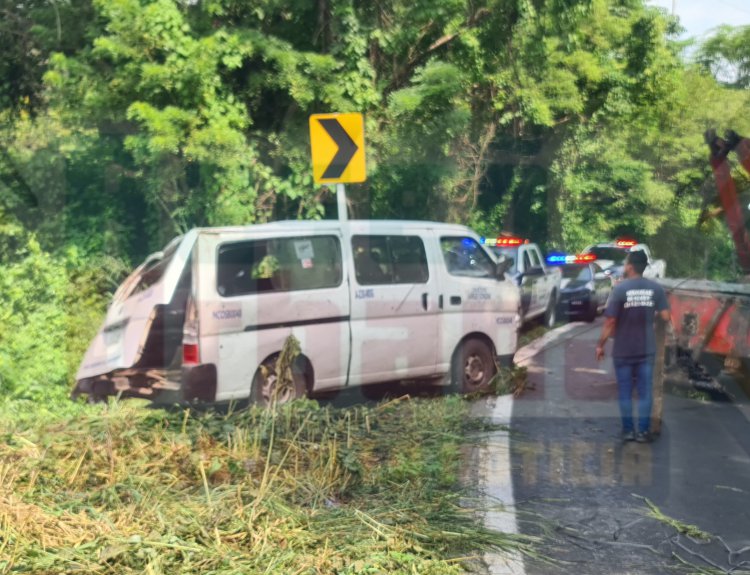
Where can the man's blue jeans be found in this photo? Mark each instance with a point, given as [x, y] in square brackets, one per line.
[636, 374]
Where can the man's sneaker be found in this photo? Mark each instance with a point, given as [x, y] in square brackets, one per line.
[643, 437]
[628, 436]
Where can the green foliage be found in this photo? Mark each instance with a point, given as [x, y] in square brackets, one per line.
[726, 55]
[29, 32]
[423, 120]
[33, 330]
[51, 308]
[497, 113]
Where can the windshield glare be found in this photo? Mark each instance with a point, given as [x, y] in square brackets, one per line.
[616, 255]
[577, 272]
[509, 253]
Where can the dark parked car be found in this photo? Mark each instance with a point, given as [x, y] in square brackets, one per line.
[584, 288]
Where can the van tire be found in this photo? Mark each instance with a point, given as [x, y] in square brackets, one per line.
[473, 366]
[265, 379]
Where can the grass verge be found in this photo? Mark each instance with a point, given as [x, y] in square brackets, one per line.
[300, 489]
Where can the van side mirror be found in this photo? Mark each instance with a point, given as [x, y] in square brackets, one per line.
[534, 272]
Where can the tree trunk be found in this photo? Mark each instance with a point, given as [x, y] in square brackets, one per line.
[323, 32]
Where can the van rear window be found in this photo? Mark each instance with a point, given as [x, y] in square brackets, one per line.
[279, 265]
[150, 273]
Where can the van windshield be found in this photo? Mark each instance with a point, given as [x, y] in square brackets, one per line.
[465, 257]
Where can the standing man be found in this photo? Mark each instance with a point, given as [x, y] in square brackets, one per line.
[631, 310]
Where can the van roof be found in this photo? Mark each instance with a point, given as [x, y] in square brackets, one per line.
[317, 225]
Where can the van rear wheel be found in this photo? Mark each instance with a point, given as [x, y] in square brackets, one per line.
[473, 366]
[268, 388]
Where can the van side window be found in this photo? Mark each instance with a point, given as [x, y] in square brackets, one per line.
[409, 260]
[382, 260]
[465, 257]
[279, 264]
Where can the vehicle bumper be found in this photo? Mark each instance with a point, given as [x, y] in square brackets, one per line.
[190, 384]
[199, 383]
[574, 304]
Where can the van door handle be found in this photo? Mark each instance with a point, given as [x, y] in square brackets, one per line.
[455, 300]
[424, 301]
[440, 301]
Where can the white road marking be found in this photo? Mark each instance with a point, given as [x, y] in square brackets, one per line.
[494, 458]
[496, 483]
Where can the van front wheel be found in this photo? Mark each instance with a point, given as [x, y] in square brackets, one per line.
[268, 388]
[473, 366]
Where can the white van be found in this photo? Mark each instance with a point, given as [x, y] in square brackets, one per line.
[369, 302]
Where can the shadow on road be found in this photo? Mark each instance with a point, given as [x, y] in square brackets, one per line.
[604, 507]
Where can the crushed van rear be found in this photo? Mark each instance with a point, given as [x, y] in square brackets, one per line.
[138, 349]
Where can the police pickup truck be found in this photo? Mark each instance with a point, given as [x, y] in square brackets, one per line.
[539, 284]
[611, 257]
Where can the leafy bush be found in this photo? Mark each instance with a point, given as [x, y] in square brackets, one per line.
[50, 308]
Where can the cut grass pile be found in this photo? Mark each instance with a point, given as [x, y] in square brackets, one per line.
[301, 489]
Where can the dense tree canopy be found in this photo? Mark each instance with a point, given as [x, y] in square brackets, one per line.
[142, 116]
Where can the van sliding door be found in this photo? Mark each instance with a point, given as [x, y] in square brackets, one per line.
[394, 309]
[265, 288]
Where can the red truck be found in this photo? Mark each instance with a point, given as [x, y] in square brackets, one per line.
[712, 319]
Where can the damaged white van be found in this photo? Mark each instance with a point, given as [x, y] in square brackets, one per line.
[368, 301]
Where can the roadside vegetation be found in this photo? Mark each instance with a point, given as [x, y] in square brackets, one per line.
[300, 489]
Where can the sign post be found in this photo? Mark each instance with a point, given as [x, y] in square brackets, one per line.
[337, 142]
[341, 202]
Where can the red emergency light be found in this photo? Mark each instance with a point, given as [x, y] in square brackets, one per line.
[562, 259]
[625, 243]
[585, 258]
[503, 241]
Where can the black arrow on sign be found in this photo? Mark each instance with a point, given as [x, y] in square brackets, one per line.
[347, 148]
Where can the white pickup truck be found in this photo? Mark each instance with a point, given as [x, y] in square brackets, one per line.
[611, 257]
[539, 284]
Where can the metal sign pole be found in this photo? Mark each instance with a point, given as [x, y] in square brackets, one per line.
[341, 202]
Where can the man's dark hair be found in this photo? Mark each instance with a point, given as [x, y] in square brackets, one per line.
[638, 260]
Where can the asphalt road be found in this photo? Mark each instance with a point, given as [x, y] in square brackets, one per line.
[587, 495]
